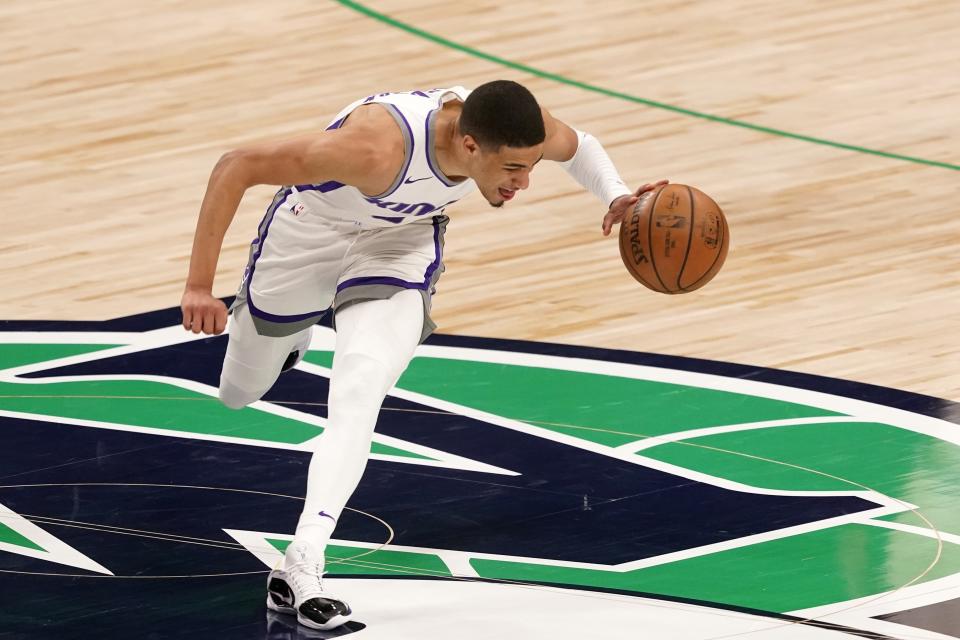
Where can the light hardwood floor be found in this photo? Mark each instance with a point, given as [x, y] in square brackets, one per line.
[842, 263]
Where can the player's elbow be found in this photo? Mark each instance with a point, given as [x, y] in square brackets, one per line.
[234, 167]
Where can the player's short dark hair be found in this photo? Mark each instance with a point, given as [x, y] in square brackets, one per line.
[501, 113]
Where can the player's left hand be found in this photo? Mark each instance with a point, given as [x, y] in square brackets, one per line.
[619, 207]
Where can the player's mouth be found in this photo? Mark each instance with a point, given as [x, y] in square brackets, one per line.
[507, 194]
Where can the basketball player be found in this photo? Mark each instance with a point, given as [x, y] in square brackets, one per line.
[359, 228]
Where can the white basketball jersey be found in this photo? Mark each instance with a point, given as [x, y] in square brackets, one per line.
[420, 191]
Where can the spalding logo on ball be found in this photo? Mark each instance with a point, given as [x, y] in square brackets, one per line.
[675, 240]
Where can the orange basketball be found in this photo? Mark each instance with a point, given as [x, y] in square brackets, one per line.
[675, 240]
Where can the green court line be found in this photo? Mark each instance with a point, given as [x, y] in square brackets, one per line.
[420, 33]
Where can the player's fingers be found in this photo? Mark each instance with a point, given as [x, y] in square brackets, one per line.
[187, 316]
[220, 320]
[196, 319]
[208, 322]
[651, 187]
[608, 221]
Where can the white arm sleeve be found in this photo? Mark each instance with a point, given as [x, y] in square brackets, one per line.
[593, 168]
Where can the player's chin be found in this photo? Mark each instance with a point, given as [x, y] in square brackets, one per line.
[502, 197]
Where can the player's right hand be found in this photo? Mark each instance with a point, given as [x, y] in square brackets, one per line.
[623, 204]
[202, 312]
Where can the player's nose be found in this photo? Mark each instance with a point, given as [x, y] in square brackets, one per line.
[522, 181]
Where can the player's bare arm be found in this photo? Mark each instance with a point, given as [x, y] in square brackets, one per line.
[561, 140]
[594, 170]
[365, 153]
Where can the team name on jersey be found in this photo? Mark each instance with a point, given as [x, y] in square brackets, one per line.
[418, 209]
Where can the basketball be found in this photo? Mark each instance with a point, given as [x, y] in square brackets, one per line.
[675, 239]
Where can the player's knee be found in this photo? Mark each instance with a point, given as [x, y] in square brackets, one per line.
[358, 378]
[235, 397]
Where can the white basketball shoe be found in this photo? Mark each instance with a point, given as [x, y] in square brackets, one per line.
[297, 589]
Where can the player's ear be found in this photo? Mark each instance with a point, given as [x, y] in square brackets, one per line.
[470, 145]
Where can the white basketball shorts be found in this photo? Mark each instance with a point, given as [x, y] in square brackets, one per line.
[302, 263]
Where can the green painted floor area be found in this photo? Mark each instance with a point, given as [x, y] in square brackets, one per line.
[813, 569]
[342, 560]
[943, 516]
[592, 402]
[323, 358]
[906, 465]
[17, 355]
[150, 404]
[156, 405]
[9, 536]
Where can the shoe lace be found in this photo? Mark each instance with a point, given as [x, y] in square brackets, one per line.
[308, 579]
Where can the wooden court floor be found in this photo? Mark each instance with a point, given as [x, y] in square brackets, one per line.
[843, 263]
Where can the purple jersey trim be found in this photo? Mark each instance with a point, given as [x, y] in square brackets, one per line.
[389, 219]
[436, 253]
[272, 317]
[397, 282]
[323, 187]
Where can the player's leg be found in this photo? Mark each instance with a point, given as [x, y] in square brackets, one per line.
[382, 304]
[379, 320]
[253, 362]
[375, 341]
[290, 280]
